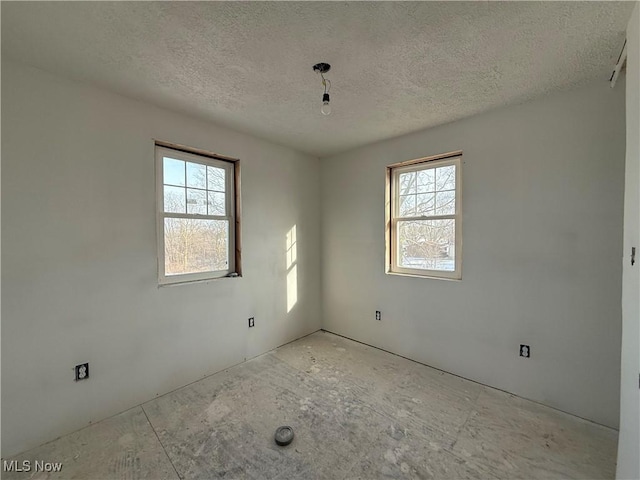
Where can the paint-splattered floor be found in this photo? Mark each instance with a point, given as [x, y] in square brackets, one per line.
[357, 413]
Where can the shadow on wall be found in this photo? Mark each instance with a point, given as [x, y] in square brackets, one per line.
[292, 269]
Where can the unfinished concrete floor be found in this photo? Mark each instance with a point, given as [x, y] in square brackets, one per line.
[357, 412]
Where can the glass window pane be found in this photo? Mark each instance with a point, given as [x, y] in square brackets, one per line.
[196, 175]
[445, 203]
[425, 204]
[427, 180]
[407, 205]
[174, 199]
[216, 179]
[194, 245]
[407, 183]
[446, 178]
[196, 201]
[173, 171]
[217, 205]
[427, 244]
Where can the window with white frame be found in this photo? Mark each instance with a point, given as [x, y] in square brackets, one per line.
[424, 219]
[197, 228]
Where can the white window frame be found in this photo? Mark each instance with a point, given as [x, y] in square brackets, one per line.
[392, 215]
[231, 208]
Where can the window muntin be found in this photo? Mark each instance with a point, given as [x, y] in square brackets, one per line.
[196, 216]
[425, 218]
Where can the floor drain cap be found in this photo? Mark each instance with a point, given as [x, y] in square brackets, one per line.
[284, 436]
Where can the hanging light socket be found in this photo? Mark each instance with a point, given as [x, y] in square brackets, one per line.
[326, 107]
[323, 68]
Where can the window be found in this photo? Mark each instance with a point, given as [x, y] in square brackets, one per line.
[424, 220]
[197, 216]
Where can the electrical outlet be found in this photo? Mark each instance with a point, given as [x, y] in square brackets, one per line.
[252, 322]
[82, 371]
[525, 351]
[378, 315]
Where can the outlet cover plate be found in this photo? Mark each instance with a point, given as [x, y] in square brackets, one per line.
[82, 371]
[525, 351]
[252, 322]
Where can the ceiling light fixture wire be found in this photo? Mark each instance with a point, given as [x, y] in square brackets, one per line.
[325, 81]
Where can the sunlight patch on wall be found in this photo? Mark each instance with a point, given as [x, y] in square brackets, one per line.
[292, 269]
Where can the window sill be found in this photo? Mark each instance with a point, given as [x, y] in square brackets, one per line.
[432, 277]
[192, 282]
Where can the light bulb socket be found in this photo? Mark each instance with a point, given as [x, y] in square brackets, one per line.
[325, 98]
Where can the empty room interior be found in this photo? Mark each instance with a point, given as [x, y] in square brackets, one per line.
[320, 240]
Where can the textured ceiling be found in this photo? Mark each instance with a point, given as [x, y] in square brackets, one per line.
[397, 67]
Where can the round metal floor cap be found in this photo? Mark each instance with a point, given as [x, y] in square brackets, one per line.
[284, 435]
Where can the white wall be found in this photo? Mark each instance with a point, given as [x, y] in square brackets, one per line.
[629, 440]
[542, 216]
[79, 257]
